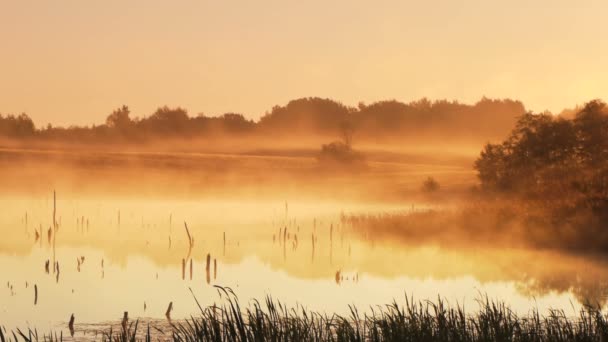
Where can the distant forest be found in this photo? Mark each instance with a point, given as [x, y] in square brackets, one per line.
[486, 120]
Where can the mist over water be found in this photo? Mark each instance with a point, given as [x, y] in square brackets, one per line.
[121, 243]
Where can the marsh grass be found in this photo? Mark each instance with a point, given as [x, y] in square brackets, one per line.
[411, 320]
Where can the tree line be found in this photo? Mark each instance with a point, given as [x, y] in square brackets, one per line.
[483, 121]
[556, 162]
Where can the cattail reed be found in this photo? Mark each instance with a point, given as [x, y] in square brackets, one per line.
[190, 268]
[224, 251]
[214, 268]
[312, 239]
[285, 243]
[35, 294]
[331, 243]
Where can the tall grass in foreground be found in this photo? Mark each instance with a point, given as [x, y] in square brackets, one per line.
[409, 321]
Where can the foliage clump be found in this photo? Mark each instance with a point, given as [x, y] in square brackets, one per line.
[430, 185]
[555, 163]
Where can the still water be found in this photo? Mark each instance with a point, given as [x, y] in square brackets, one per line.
[132, 254]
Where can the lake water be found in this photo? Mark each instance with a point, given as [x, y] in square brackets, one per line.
[107, 267]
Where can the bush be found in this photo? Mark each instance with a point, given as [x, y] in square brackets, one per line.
[339, 152]
[430, 185]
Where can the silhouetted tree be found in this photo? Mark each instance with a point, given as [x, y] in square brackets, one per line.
[20, 126]
[119, 118]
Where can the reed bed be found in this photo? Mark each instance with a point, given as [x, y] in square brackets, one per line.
[411, 320]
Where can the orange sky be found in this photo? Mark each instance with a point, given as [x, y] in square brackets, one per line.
[73, 61]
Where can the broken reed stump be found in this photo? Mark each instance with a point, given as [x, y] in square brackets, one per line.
[57, 272]
[183, 269]
[54, 209]
[208, 268]
[125, 320]
[71, 325]
[168, 313]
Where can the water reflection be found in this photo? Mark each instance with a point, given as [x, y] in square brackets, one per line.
[117, 255]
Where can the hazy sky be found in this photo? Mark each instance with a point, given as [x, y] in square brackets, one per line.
[72, 62]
